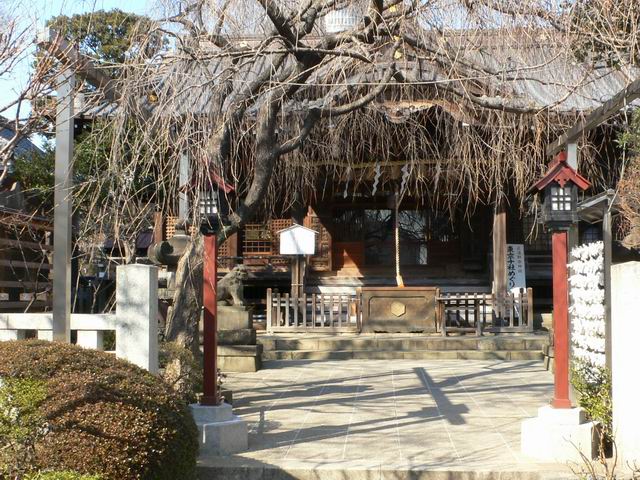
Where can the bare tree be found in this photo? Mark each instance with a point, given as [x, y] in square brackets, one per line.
[274, 99]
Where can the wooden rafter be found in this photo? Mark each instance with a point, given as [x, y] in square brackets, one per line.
[608, 109]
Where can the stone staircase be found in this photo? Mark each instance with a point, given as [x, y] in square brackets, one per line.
[402, 346]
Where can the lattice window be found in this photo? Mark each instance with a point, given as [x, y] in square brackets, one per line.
[321, 261]
[170, 227]
[257, 239]
[561, 199]
[275, 226]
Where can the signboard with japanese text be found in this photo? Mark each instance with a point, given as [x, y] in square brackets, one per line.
[516, 277]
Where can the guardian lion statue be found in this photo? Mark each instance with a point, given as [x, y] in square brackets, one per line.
[230, 287]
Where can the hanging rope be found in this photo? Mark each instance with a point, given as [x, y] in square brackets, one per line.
[399, 280]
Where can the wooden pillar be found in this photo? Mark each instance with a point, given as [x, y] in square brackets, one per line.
[560, 320]
[63, 208]
[209, 302]
[500, 249]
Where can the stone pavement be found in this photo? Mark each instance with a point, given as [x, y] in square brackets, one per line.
[377, 419]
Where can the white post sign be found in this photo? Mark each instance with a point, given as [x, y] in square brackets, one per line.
[516, 278]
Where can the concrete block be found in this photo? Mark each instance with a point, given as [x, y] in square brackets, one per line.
[90, 339]
[297, 344]
[625, 358]
[239, 350]
[45, 335]
[562, 416]
[244, 336]
[137, 315]
[234, 318]
[267, 343]
[431, 355]
[525, 355]
[536, 343]
[240, 364]
[276, 355]
[499, 343]
[378, 355]
[482, 355]
[219, 431]
[6, 335]
[558, 435]
[324, 355]
[459, 344]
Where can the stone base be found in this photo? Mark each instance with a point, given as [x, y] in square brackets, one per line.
[220, 432]
[240, 358]
[234, 318]
[559, 435]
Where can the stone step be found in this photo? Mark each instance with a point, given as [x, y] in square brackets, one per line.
[217, 469]
[415, 343]
[402, 355]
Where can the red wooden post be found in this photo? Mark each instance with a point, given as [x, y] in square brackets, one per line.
[209, 301]
[560, 320]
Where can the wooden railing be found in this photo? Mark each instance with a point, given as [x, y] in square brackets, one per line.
[482, 312]
[309, 312]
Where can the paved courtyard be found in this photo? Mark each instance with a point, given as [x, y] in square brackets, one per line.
[376, 419]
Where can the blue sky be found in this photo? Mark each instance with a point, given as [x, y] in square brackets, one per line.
[37, 12]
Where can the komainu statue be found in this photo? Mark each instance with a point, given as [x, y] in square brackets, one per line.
[230, 287]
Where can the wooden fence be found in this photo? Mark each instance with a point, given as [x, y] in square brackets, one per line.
[312, 312]
[475, 313]
[485, 312]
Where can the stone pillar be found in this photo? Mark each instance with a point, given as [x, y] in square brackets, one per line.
[63, 210]
[137, 315]
[625, 358]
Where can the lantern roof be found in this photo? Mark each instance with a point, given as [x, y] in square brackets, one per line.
[561, 172]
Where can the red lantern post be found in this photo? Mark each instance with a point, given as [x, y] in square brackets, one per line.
[560, 188]
[560, 321]
[209, 301]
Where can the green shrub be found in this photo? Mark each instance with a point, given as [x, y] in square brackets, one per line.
[21, 424]
[104, 416]
[61, 476]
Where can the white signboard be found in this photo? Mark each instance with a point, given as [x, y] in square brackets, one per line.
[516, 278]
[297, 240]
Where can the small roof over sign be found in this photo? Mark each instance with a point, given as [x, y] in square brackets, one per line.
[297, 226]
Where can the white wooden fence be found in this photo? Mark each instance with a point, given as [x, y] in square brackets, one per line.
[135, 322]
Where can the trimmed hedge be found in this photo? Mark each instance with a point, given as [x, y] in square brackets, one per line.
[105, 416]
[61, 476]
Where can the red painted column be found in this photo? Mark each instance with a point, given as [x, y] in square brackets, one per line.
[560, 320]
[209, 301]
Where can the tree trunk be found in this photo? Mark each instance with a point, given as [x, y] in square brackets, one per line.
[182, 327]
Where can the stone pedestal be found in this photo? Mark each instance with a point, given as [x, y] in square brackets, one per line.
[234, 318]
[558, 435]
[237, 348]
[220, 432]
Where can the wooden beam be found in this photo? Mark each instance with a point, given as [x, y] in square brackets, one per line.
[80, 64]
[608, 109]
[24, 245]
